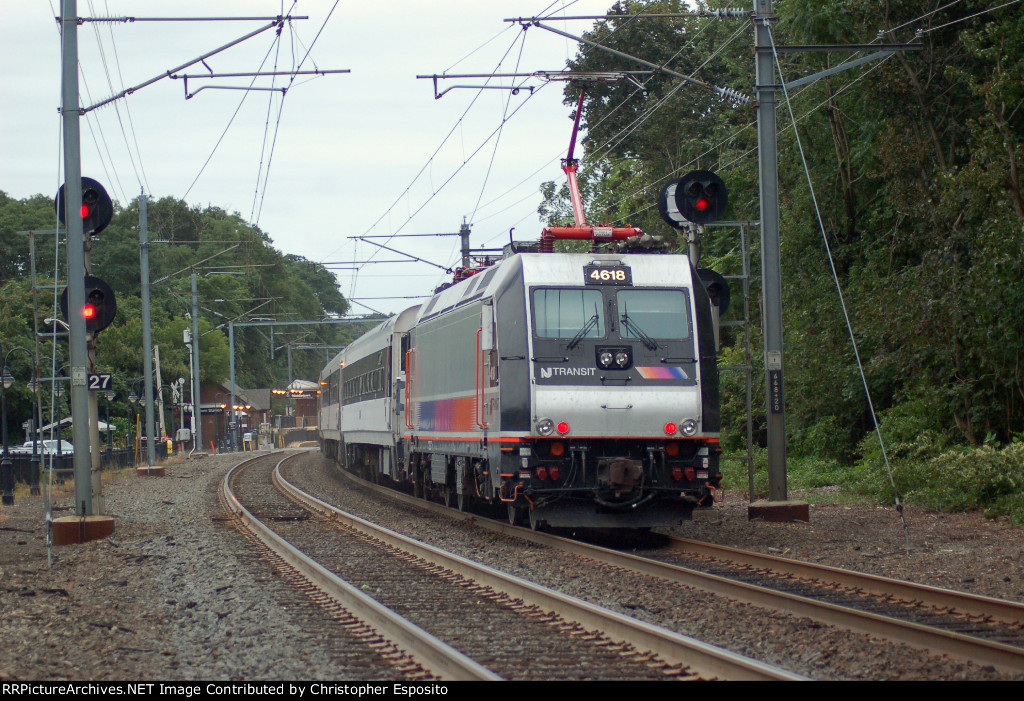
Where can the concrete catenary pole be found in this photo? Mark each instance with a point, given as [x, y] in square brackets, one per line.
[197, 411]
[771, 268]
[78, 347]
[147, 332]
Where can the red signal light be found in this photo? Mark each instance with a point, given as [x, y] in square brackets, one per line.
[700, 197]
[97, 209]
[99, 306]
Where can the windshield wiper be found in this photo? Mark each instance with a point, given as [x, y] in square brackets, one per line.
[633, 328]
[591, 323]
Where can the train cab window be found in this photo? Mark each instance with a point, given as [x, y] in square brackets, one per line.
[656, 313]
[564, 313]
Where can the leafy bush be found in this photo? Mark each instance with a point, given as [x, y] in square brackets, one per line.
[913, 432]
[802, 473]
[962, 479]
[984, 478]
[827, 439]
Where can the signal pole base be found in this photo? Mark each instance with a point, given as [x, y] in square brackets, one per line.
[149, 471]
[779, 511]
[70, 530]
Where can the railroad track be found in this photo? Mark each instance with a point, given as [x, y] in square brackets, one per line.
[965, 626]
[429, 605]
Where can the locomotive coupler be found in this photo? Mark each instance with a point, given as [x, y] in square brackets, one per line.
[623, 475]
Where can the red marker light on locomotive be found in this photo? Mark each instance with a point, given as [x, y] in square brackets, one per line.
[671, 428]
[562, 427]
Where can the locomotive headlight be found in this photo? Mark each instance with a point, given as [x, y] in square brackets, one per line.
[688, 427]
[545, 427]
[614, 358]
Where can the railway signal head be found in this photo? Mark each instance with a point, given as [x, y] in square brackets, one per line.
[100, 306]
[700, 197]
[97, 207]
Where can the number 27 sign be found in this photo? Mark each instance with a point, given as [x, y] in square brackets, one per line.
[100, 381]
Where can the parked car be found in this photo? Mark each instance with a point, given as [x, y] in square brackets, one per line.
[23, 449]
[55, 447]
[44, 447]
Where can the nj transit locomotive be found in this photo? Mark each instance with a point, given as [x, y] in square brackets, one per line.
[575, 389]
[578, 389]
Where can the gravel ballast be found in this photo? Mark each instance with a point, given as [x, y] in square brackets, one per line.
[178, 594]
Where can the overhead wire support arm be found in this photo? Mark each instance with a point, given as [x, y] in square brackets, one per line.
[880, 51]
[722, 91]
[438, 95]
[124, 20]
[403, 253]
[595, 76]
[283, 90]
[193, 266]
[403, 236]
[729, 12]
[365, 262]
[277, 22]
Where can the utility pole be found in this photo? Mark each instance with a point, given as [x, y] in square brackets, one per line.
[464, 235]
[769, 82]
[197, 412]
[233, 423]
[161, 422]
[87, 524]
[147, 341]
[771, 268]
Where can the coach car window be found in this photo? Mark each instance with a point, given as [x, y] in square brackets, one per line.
[657, 313]
[564, 313]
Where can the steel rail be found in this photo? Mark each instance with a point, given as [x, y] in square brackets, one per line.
[1011, 612]
[965, 647]
[707, 660]
[436, 656]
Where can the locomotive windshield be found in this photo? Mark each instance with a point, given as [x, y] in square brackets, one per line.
[569, 313]
[658, 313]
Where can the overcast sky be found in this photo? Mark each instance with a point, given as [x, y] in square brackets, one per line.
[348, 147]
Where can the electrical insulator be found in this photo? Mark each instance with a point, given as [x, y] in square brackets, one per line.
[732, 95]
